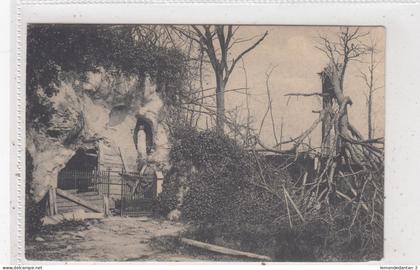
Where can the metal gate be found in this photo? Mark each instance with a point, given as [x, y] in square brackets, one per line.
[129, 193]
[137, 194]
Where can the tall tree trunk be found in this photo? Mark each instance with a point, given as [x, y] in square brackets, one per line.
[220, 103]
[370, 128]
[369, 101]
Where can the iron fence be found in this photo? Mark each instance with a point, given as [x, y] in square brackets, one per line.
[131, 194]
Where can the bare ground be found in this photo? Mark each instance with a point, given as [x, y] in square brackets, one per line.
[116, 239]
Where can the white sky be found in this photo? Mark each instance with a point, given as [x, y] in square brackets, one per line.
[292, 50]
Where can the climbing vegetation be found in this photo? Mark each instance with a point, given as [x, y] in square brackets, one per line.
[54, 49]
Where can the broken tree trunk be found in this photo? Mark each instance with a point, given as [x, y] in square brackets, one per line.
[340, 137]
[327, 103]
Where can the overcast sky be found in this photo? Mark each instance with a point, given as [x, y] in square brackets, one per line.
[291, 50]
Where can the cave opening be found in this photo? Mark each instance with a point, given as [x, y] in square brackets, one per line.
[79, 171]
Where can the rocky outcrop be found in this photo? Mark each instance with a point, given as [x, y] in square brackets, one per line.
[103, 110]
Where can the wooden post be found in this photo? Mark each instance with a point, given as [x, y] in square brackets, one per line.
[49, 208]
[52, 202]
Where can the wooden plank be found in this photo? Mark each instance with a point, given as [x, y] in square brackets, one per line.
[77, 200]
[65, 202]
[88, 196]
[224, 250]
[66, 209]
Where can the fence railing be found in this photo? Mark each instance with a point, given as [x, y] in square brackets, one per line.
[105, 182]
[109, 182]
[138, 194]
[133, 194]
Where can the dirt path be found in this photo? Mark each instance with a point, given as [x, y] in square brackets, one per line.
[114, 239]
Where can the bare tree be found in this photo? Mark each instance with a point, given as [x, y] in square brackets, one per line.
[369, 79]
[217, 42]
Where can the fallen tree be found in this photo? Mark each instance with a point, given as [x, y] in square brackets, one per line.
[223, 250]
[349, 168]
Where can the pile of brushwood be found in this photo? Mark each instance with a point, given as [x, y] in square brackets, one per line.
[288, 210]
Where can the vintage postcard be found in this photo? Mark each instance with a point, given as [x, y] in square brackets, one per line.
[209, 143]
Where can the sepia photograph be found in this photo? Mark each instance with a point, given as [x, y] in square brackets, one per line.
[204, 143]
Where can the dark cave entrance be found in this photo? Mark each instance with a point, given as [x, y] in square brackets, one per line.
[79, 171]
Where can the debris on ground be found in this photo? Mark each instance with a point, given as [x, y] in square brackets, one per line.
[112, 239]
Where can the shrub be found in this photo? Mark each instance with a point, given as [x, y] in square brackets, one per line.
[220, 170]
[220, 180]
